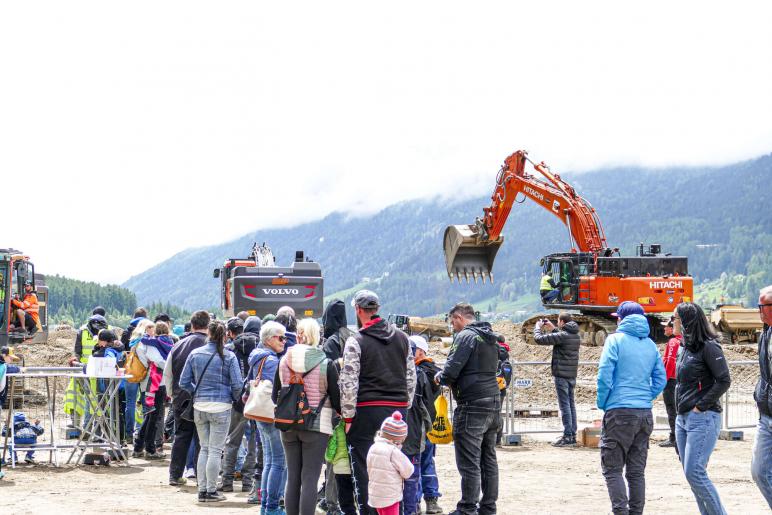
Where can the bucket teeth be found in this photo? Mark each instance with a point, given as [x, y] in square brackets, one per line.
[466, 275]
[474, 275]
[490, 274]
[483, 274]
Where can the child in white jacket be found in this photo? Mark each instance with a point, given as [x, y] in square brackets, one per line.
[387, 467]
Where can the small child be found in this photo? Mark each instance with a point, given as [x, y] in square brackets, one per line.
[24, 434]
[387, 466]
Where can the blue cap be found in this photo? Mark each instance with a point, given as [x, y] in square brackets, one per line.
[628, 307]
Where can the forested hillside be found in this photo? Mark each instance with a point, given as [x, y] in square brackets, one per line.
[71, 301]
[715, 216]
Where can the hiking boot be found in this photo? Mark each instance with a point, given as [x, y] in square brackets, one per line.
[667, 443]
[137, 454]
[322, 504]
[180, 481]
[432, 508]
[246, 487]
[254, 495]
[237, 476]
[214, 497]
[225, 487]
[155, 456]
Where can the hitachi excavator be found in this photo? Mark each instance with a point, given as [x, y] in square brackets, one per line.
[592, 278]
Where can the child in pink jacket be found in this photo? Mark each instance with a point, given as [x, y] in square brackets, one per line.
[387, 467]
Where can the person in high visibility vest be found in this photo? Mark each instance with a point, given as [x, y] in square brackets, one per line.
[27, 309]
[548, 289]
[87, 338]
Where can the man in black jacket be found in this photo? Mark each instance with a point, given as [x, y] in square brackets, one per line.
[565, 341]
[185, 430]
[377, 378]
[761, 466]
[471, 373]
[242, 344]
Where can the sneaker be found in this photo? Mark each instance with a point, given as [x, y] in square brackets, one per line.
[201, 496]
[29, 461]
[254, 495]
[214, 497]
[246, 487]
[189, 473]
[561, 442]
[138, 454]
[227, 487]
[277, 511]
[322, 504]
[155, 455]
[180, 481]
[667, 443]
[432, 508]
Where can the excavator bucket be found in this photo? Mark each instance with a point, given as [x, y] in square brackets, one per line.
[466, 255]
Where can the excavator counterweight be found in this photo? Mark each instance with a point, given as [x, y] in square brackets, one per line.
[467, 255]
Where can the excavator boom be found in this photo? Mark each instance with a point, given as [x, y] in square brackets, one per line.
[471, 249]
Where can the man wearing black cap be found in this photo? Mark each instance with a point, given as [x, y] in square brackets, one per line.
[378, 377]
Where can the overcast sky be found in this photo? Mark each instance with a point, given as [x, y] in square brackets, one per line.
[131, 131]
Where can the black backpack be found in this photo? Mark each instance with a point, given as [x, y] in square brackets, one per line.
[292, 409]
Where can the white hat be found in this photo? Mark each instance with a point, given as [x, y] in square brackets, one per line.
[419, 342]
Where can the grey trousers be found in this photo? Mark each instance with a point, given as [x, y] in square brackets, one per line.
[624, 446]
[232, 444]
[304, 452]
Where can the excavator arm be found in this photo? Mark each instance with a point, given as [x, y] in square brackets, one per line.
[471, 249]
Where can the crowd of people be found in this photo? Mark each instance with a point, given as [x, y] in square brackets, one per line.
[354, 408]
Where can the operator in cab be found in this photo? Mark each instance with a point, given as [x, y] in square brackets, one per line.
[548, 289]
[26, 310]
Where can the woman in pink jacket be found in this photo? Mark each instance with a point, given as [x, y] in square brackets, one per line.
[387, 466]
[304, 448]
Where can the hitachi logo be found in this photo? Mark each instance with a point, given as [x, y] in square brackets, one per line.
[665, 284]
[281, 291]
[533, 192]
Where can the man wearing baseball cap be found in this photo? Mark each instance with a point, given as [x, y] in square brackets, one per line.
[630, 376]
[378, 377]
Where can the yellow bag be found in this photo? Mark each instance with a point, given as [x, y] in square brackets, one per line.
[442, 430]
[135, 368]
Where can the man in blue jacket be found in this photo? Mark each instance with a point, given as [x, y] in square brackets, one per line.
[630, 377]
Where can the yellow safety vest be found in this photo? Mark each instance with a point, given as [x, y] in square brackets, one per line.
[545, 283]
[87, 344]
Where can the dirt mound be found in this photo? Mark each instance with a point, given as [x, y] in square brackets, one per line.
[54, 353]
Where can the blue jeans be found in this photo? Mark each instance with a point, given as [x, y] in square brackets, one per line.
[132, 390]
[274, 466]
[696, 435]
[761, 465]
[212, 429]
[429, 483]
[411, 490]
[565, 388]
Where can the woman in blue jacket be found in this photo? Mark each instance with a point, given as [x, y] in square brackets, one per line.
[214, 378]
[274, 478]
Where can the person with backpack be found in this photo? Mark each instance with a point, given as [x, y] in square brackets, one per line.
[304, 446]
[213, 379]
[419, 422]
[430, 485]
[335, 329]
[377, 378]
[152, 350]
[133, 388]
[565, 341]
[263, 364]
[503, 378]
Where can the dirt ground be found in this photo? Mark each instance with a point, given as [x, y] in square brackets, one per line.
[534, 479]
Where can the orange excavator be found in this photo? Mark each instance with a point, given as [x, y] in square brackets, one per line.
[592, 277]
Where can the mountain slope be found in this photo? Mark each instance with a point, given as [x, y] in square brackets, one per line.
[712, 215]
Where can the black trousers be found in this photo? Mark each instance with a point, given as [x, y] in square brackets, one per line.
[346, 499]
[360, 436]
[668, 395]
[185, 432]
[475, 424]
[147, 433]
[624, 446]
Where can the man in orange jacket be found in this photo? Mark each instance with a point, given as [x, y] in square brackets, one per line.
[27, 316]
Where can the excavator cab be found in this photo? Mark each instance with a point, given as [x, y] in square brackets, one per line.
[562, 269]
[468, 254]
